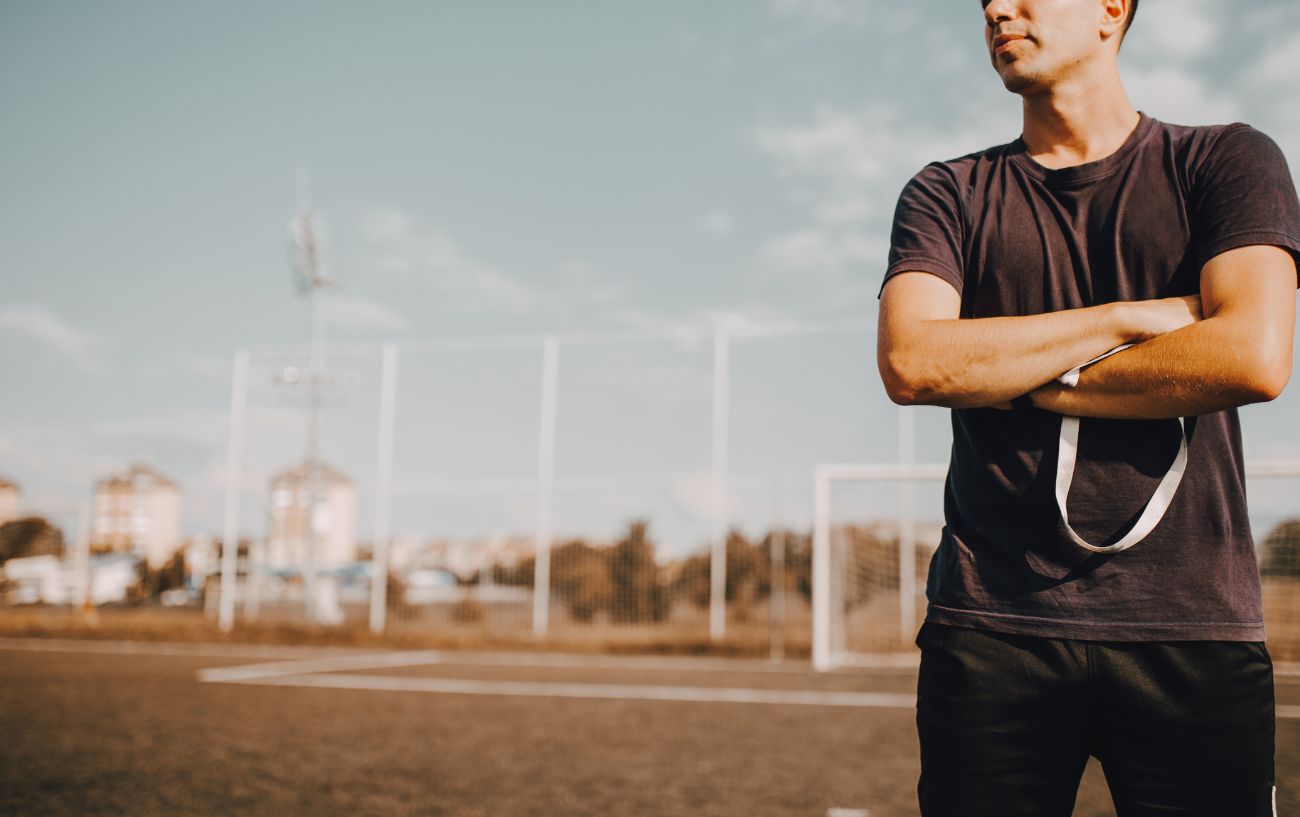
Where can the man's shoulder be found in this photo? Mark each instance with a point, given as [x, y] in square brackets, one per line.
[1202, 141]
[966, 161]
[960, 172]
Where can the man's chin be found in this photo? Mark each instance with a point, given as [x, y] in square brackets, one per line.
[1017, 82]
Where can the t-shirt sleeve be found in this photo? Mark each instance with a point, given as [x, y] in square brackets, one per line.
[927, 231]
[1245, 196]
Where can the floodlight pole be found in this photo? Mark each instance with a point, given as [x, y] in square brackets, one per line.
[306, 254]
[314, 375]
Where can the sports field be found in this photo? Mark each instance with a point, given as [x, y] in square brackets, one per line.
[120, 728]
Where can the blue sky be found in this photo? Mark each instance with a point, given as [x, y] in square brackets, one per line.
[505, 167]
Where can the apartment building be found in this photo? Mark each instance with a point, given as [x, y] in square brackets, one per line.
[137, 510]
[334, 525]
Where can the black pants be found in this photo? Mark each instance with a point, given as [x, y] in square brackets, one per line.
[1007, 724]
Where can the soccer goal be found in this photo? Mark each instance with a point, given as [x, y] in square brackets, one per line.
[871, 549]
[875, 528]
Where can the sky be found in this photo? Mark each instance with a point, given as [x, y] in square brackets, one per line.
[508, 168]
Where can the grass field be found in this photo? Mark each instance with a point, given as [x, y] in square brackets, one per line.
[103, 727]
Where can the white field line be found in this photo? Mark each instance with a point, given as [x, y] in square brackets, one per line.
[445, 657]
[625, 692]
[72, 645]
[638, 662]
[449, 657]
[539, 689]
[338, 663]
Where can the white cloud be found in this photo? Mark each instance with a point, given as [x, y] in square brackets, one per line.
[1279, 66]
[822, 12]
[587, 286]
[1178, 95]
[435, 259]
[696, 491]
[354, 313]
[213, 368]
[1181, 30]
[755, 318]
[200, 427]
[385, 224]
[822, 249]
[837, 144]
[39, 324]
[717, 222]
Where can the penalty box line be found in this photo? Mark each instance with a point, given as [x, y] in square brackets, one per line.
[547, 689]
[324, 673]
[630, 692]
[328, 673]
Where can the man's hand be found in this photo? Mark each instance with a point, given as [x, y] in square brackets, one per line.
[1151, 319]
[1240, 353]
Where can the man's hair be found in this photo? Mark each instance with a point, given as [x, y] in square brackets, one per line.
[1132, 12]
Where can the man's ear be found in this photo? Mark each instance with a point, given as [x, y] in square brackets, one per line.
[1113, 15]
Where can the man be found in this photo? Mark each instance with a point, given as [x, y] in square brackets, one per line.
[1098, 227]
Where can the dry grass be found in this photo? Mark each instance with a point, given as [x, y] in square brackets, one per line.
[1282, 617]
[161, 624]
[870, 627]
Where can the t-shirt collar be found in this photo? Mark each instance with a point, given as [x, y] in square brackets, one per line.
[1089, 171]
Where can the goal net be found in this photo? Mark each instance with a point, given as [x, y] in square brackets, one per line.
[875, 528]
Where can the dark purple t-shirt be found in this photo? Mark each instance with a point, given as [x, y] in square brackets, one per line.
[1016, 238]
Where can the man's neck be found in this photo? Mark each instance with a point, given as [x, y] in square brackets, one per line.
[1078, 122]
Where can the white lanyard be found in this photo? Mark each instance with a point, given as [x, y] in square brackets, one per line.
[1069, 447]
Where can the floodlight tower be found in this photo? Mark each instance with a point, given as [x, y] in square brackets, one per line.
[305, 253]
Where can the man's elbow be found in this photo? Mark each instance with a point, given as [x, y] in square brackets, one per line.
[1266, 377]
[905, 383]
[901, 392]
[1269, 385]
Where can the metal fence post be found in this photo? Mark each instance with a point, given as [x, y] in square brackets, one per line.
[821, 573]
[776, 577]
[721, 418]
[906, 527]
[383, 489]
[234, 452]
[545, 486]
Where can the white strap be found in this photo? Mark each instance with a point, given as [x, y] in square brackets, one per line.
[1068, 450]
[1071, 378]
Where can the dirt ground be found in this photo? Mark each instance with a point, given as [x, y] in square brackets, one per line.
[91, 728]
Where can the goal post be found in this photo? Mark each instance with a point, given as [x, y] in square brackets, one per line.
[849, 562]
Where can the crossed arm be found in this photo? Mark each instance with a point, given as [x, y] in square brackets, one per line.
[1228, 347]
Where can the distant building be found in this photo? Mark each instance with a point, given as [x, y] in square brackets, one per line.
[202, 560]
[137, 511]
[334, 525]
[465, 557]
[9, 496]
[49, 580]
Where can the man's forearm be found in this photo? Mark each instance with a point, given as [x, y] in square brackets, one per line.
[927, 356]
[983, 361]
[1208, 366]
